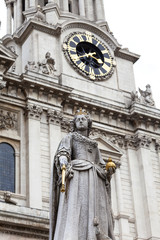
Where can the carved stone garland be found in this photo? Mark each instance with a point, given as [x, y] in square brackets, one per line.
[8, 120]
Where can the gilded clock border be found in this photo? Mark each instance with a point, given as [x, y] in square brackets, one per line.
[84, 74]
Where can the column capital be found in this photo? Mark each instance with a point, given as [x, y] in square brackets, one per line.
[54, 116]
[157, 145]
[33, 111]
[137, 141]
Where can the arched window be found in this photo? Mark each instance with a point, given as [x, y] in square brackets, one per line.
[7, 167]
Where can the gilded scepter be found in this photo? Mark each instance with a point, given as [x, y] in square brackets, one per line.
[63, 178]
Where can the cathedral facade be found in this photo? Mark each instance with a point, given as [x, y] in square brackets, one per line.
[57, 57]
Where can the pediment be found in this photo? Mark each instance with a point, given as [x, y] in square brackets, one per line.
[7, 53]
[108, 148]
[7, 57]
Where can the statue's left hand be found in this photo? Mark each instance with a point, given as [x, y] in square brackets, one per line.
[111, 171]
[63, 161]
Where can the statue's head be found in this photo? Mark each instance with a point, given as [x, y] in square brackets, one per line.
[148, 86]
[48, 55]
[81, 121]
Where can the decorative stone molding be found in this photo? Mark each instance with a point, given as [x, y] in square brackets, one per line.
[26, 232]
[115, 139]
[47, 66]
[137, 141]
[54, 116]
[8, 120]
[157, 145]
[33, 111]
[2, 84]
[7, 198]
[83, 24]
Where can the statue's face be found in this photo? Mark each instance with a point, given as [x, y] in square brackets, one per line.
[81, 123]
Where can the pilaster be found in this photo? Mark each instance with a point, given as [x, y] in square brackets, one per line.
[138, 200]
[19, 13]
[9, 19]
[33, 115]
[89, 10]
[65, 5]
[81, 8]
[54, 120]
[99, 10]
[147, 219]
[122, 216]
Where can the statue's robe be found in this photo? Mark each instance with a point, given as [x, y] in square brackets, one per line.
[83, 212]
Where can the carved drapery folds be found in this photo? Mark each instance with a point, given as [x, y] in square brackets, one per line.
[33, 111]
[8, 120]
[47, 66]
[145, 96]
[136, 141]
[54, 116]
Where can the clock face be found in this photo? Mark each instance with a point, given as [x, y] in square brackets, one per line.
[89, 55]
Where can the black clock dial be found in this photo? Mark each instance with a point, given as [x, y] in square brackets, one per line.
[89, 55]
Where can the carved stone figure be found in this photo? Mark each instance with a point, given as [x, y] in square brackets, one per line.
[146, 96]
[80, 203]
[47, 64]
[134, 96]
[39, 14]
[2, 84]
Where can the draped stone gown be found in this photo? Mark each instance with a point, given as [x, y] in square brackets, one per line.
[83, 212]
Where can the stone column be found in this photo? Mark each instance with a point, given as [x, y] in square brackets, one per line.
[51, 1]
[26, 4]
[19, 13]
[136, 183]
[34, 188]
[81, 8]
[15, 17]
[65, 6]
[9, 19]
[99, 10]
[89, 10]
[122, 216]
[54, 121]
[148, 189]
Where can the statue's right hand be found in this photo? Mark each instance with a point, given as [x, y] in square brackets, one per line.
[63, 161]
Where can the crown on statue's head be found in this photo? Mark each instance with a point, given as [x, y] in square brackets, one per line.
[81, 111]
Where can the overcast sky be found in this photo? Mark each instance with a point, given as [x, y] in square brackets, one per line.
[136, 25]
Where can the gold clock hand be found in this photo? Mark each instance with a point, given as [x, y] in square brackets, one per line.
[88, 54]
[98, 59]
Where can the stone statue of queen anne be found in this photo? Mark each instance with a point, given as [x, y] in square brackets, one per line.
[83, 211]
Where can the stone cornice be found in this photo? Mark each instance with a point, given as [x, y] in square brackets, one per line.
[21, 34]
[126, 54]
[47, 90]
[24, 221]
[146, 115]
